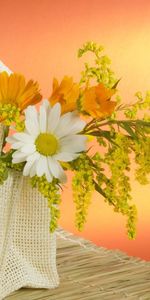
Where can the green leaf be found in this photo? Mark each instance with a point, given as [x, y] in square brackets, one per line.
[129, 130]
[105, 134]
[7, 157]
[6, 131]
[115, 85]
[98, 189]
[143, 123]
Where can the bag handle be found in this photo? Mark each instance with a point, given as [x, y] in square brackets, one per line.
[4, 68]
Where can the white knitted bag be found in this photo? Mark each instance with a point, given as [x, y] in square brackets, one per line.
[27, 248]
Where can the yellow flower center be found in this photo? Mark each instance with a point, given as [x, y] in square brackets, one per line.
[46, 144]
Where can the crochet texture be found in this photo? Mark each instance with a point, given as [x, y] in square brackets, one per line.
[27, 248]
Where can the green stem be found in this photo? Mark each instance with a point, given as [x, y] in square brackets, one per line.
[2, 136]
[130, 122]
[100, 191]
[89, 124]
[4, 130]
[116, 122]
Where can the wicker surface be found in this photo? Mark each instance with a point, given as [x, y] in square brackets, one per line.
[89, 272]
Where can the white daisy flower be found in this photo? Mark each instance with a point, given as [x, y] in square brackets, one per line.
[48, 138]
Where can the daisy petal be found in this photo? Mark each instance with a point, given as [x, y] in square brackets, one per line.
[29, 148]
[18, 160]
[11, 139]
[33, 170]
[49, 176]
[17, 145]
[73, 143]
[18, 154]
[77, 126]
[53, 166]
[63, 125]
[41, 166]
[70, 123]
[23, 137]
[46, 104]
[43, 119]
[65, 156]
[32, 128]
[56, 169]
[62, 175]
[53, 117]
[28, 166]
[46, 169]
[35, 156]
[31, 114]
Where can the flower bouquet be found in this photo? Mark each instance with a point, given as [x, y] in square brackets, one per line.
[82, 127]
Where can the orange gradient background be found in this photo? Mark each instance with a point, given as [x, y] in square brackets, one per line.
[40, 39]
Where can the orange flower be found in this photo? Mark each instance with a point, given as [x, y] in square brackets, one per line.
[96, 101]
[66, 94]
[14, 90]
